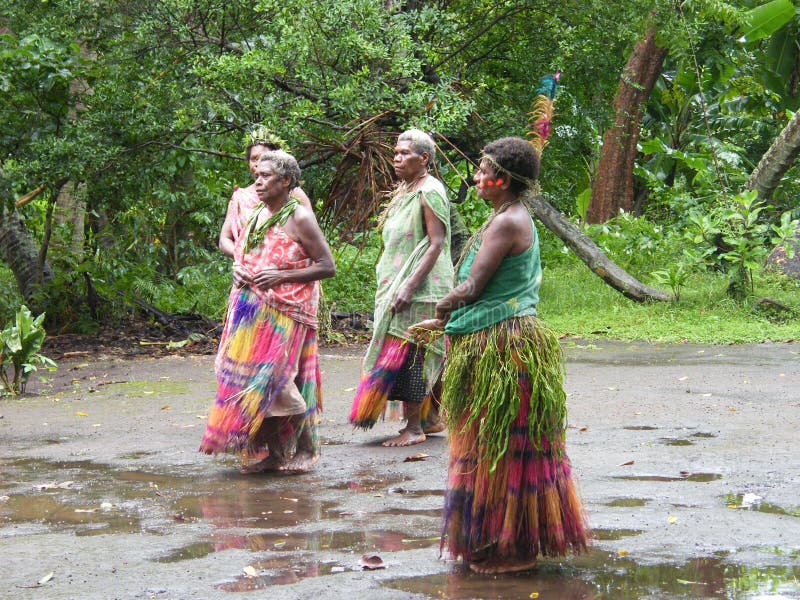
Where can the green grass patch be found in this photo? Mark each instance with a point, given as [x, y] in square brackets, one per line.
[574, 301]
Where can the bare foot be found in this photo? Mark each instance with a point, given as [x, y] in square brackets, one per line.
[406, 438]
[437, 427]
[302, 461]
[268, 464]
[493, 566]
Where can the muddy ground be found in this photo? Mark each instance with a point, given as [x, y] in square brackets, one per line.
[687, 458]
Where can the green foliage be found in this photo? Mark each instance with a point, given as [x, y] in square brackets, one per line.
[20, 343]
[352, 289]
[735, 238]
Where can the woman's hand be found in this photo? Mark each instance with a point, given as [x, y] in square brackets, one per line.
[269, 278]
[241, 277]
[402, 299]
[426, 331]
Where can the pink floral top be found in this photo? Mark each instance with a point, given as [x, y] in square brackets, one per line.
[298, 301]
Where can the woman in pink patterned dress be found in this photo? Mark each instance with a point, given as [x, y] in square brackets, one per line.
[267, 368]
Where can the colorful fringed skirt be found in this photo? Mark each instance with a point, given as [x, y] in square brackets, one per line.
[267, 367]
[510, 491]
[397, 376]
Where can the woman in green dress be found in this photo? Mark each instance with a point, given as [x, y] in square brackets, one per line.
[414, 272]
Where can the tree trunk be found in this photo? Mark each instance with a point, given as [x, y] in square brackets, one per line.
[767, 175]
[776, 161]
[613, 184]
[19, 251]
[594, 257]
[68, 218]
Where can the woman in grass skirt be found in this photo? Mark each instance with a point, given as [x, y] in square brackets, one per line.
[510, 493]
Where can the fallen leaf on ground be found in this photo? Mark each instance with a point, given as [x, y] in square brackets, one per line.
[337, 569]
[250, 572]
[166, 407]
[622, 552]
[626, 463]
[533, 595]
[416, 457]
[371, 562]
[81, 414]
[672, 519]
[45, 579]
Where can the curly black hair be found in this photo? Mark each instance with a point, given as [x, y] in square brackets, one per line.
[518, 158]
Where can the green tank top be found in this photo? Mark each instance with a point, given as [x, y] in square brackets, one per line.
[512, 291]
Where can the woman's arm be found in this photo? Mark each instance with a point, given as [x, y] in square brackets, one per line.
[226, 242]
[498, 240]
[304, 199]
[310, 236]
[435, 230]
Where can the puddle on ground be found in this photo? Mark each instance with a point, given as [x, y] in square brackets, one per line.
[136, 455]
[412, 512]
[135, 389]
[640, 428]
[58, 515]
[676, 442]
[416, 493]
[281, 571]
[242, 506]
[357, 542]
[628, 502]
[742, 502]
[94, 497]
[608, 535]
[600, 575]
[696, 477]
[363, 483]
[703, 434]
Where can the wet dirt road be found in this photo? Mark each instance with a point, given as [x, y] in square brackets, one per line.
[687, 458]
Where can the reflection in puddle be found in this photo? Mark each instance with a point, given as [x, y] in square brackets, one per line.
[352, 541]
[696, 477]
[598, 575]
[640, 428]
[60, 516]
[242, 506]
[279, 571]
[741, 501]
[703, 434]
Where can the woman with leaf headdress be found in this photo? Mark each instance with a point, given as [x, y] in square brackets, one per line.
[510, 493]
[256, 142]
[268, 377]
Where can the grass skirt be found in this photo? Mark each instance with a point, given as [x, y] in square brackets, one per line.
[510, 492]
[375, 387]
[260, 349]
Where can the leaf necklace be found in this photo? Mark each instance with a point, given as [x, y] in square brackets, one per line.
[254, 234]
